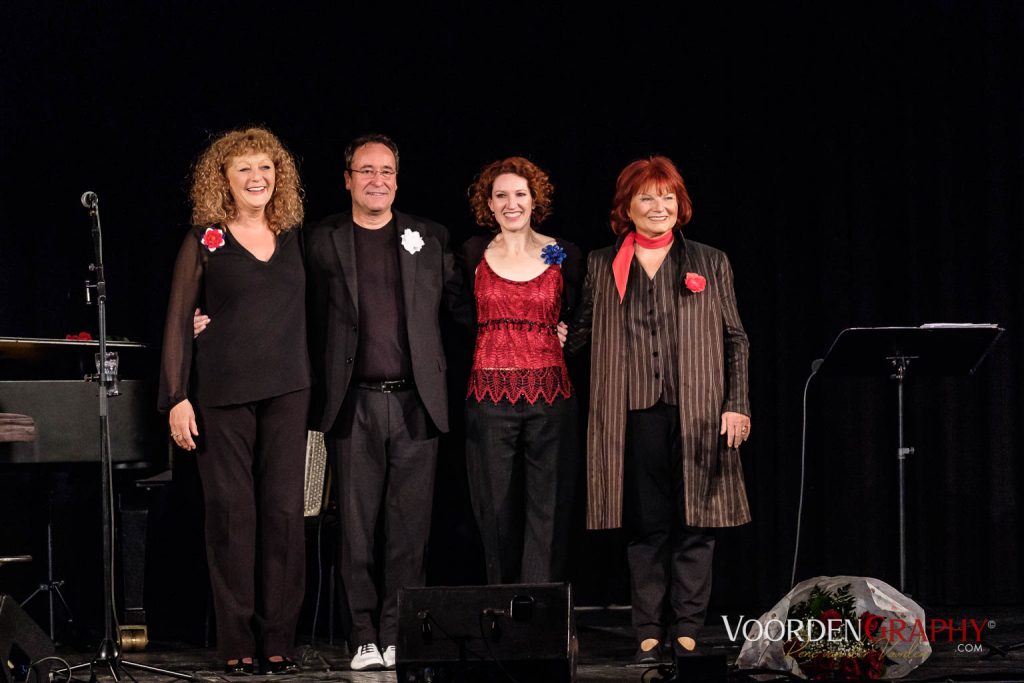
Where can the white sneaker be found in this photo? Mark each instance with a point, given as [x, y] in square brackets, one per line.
[367, 658]
[389, 657]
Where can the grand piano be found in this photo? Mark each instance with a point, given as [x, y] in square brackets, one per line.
[43, 379]
[49, 435]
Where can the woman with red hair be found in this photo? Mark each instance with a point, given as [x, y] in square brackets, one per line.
[668, 405]
[520, 405]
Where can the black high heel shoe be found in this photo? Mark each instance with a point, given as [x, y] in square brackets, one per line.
[239, 668]
[283, 667]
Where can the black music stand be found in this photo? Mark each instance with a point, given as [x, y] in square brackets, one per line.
[939, 350]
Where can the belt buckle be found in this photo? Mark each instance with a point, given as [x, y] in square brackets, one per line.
[385, 387]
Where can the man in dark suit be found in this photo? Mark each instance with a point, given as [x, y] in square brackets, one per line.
[376, 281]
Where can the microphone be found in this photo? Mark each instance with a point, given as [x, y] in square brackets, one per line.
[816, 364]
[89, 199]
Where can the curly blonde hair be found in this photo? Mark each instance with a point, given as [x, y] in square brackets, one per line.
[540, 188]
[212, 202]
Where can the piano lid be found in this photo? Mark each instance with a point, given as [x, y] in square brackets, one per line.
[29, 342]
[25, 358]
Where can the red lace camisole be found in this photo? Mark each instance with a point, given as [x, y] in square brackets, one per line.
[517, 351]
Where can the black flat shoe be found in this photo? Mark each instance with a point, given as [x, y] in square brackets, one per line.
[239, 668]
[284, 667]
[650, 657]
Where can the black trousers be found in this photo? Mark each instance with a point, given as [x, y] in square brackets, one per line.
[669, 562]
[384, 450]
[521, 464]
[252, 465]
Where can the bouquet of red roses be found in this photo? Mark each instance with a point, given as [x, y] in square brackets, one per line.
[845, 650]
[837, 628]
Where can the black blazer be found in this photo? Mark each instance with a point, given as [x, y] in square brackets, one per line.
[572, 271]
[429, 277]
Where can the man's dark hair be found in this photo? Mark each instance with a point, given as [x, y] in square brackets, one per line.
[367, 139]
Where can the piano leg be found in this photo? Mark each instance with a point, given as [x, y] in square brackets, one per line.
[133, 526]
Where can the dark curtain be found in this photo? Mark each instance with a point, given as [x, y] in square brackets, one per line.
[859, 162]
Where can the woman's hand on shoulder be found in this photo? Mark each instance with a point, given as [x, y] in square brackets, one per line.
[182, 421]
[199, 322]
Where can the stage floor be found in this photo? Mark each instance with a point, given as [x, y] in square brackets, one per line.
[606, 647]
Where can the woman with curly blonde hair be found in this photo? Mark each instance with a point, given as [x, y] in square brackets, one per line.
[212, 201]
[520, 405]
[248, 377]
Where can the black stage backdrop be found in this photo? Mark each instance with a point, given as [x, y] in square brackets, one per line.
[860, 163]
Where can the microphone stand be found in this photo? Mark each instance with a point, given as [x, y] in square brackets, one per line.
[108, 656]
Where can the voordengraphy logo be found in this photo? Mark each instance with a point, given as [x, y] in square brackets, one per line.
[871, 627]
[842, 628]
[950, 630]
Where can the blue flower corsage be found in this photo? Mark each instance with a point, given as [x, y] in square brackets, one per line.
[553, 254]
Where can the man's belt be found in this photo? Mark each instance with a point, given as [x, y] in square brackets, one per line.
[388, 386]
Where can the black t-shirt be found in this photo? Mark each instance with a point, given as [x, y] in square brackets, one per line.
[382, 352]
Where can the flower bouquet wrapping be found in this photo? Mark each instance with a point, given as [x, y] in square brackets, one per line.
[839, 628]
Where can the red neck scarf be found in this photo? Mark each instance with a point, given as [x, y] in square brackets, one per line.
[620, 264]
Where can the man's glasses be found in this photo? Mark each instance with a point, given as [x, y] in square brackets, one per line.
[384, 173]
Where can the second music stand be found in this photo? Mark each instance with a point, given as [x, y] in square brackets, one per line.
[932, 350]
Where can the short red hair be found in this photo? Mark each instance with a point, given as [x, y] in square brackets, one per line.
[658, 172]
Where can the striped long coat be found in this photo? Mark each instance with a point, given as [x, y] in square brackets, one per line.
[713, 354]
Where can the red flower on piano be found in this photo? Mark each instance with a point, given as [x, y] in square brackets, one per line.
[213, 239]
[81, 336]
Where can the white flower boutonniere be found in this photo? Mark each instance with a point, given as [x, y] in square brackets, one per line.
[411, 241]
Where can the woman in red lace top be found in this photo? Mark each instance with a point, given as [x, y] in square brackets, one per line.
[520, 405]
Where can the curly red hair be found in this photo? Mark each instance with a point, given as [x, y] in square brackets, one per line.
[212, 202]
[541, 189]
[656, 171]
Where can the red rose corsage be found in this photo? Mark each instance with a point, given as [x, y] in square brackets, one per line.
[695, 283]
[213, 239]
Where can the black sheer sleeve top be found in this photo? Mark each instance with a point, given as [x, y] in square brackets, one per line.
[255, 344]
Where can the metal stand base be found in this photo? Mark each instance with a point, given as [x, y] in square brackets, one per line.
[108, 661]
[52, 586]
[1000, 650]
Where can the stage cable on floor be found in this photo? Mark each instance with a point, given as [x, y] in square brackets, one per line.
[319, 573]
[113, 541]
[52, 658]
[494, 615]
[803, 469]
